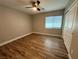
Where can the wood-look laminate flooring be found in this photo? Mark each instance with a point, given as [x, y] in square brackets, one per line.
[35, 46]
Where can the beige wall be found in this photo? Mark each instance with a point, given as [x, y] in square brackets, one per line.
[13, 24]
[39, 19]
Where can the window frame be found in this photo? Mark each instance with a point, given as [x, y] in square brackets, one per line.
[53, 28]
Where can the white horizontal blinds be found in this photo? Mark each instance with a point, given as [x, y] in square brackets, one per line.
[53, 22]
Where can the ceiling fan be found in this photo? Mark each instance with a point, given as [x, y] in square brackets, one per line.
[35, 4]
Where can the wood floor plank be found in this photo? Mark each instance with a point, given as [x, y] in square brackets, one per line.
[35, 46]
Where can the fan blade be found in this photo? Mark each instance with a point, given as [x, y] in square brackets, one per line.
[28, 7]
[38, 2]
[41, 8]
[38, 9]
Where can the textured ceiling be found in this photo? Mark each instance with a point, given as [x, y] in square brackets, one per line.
[49, 5]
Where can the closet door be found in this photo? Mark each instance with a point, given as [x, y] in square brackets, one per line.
[74, 42]
[67, 31]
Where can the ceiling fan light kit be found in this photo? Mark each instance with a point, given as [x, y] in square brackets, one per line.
[34, 8]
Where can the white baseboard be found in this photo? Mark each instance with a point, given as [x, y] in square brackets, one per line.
[6, 42]
[69, 56]
[47, 34]
[14, 39]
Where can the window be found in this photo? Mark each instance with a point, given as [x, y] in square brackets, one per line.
[53, 22]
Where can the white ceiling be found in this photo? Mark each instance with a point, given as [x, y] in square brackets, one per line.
[49, 5]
